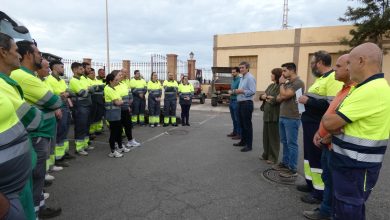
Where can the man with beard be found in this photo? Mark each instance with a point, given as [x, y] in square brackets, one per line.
[97, 108]
[322, 139]
[170, 100]
[81, 97]
[16, 170]
[84, 78]
[101, 75]
[316, 102]
[42, 74]
[38, 95]
[138, 88]
[61, 89]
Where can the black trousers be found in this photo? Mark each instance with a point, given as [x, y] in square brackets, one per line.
[245, 110]
[185, 113]
[138, 106]
[170, 107]
[115, 134]
[312, 159]
[126, 123]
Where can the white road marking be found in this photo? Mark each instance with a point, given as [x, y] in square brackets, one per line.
[204, 121]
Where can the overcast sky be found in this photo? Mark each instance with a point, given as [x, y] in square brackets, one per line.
[138, 28]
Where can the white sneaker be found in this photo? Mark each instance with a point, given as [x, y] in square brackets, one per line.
[90, 148]
[158, 125]
[133, 143]
[123, 149]
[151, 125]
[116, 154]
[49, 177]
[46, 196]
[56, 168]
[82, 153]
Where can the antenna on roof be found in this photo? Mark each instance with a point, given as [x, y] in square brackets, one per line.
[285, 15]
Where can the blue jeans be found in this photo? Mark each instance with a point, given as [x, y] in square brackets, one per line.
[288, 129]
[233, 107]
[326, 204]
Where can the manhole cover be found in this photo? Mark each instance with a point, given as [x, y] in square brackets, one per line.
[273, 176]
[177, 132]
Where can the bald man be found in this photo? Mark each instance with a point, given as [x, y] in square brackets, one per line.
[360, 131]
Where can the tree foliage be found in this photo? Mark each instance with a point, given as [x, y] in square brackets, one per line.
[371, 21]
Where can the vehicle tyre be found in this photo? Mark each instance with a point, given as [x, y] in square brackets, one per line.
[202, 99]
[214, 101]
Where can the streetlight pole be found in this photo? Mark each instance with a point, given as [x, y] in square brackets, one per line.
[107, 39]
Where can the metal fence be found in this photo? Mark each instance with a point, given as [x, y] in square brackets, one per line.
[182, 69]
[157, 63]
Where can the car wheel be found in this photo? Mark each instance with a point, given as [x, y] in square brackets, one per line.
[202, 99]
[214, 101]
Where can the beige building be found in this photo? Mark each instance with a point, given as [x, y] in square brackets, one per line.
[269, 49]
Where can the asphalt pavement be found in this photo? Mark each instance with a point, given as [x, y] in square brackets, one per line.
[187, 173]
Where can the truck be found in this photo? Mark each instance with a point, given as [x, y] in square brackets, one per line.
[220, 85]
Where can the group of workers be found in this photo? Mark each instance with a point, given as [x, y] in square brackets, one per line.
[38, 107]
[346, 127]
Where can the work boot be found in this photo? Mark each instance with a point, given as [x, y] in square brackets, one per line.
[315, 215]
[309, 199]
[239, 144]
[49, 212]
[303, 188]
[165, 125]
[92, 137]
[231, 134]
[48, 183]
[62, 163]
[174, 125]
[69, 156]
[288, 174]
[280, 167]
[237, 137]
[246, 149]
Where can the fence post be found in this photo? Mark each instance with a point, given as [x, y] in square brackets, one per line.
[126, 64]
[172, 65]
[87, 60]
[191, 69]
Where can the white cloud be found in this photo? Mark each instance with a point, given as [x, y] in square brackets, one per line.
[76, 29]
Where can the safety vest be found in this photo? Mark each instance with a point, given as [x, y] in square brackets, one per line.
[15, 153]
[138, 86]
[30, 116]
[325, 87]
[366, 135]
[123, 91]
[186, 91]
[49, 116]
[86, 80]
[113, 112]
[38, 94]
[170, 89]
[127, 82]
[58, 85]
[154, 89]
[80, 92]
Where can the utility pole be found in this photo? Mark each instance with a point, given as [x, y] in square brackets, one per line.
[285, 15]
[108, 41]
